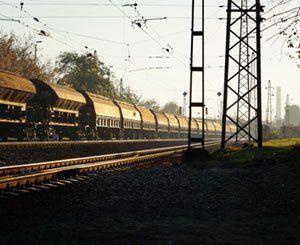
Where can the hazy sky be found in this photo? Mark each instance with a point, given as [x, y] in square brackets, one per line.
[114, 37]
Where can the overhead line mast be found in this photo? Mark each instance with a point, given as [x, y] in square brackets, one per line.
[242, 39]
[196, 67]
[269, 111]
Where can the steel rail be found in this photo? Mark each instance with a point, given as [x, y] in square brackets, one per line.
[26, 168]
[49, 144]
[48, 171]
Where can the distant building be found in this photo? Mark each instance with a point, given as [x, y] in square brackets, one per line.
[290, 131]
[292, 115]
[278, 104]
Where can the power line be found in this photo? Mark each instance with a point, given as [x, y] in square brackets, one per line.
[276, 5]
[97, 38]
[151, 68]
[36, 19]
[36, 31]
[167, 48]
[106, 4]
[7, 18]
[88, 36]
[284, 12]
[111, 17]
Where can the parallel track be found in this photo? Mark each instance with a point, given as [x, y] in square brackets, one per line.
[32, 174]
[53, 144]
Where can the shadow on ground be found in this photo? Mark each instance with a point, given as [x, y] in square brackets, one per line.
[237, 196]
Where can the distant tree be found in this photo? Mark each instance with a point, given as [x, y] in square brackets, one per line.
[171, 107]
[17, 56]
[151, 104]
[86, 72]
[129, 96]
[80, 71]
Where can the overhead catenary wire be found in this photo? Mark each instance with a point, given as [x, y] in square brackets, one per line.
[36, 31]
[122, 43]
[284, 17]
[88, 17]
[151, 68]
[281, 13]
[67, 44]
[166, 48]
[39, 32]
[106, 4]
[37, 20]
[276, 5]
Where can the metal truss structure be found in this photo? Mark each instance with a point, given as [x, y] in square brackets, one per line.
[197, 67]
[243, 72]
[269, 112]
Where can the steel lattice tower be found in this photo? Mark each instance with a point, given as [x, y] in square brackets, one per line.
[241, 80]
[253, 96]
[243, 107]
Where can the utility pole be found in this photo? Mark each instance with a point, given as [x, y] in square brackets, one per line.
[220, 107]
[197, 64]
[35, 51]
[243, 35]
[220, 111]
[121, 88]
[278, 105]
[269, 104]
[184, 103]
[287, 111]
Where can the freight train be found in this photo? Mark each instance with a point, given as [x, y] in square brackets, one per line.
[34, 109]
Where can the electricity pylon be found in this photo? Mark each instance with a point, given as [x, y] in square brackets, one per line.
[242, 38]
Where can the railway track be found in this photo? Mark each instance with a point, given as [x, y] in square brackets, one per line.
[19, 176]
[53, 144]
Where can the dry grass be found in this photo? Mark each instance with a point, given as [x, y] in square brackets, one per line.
[283, 142]
[275, 151]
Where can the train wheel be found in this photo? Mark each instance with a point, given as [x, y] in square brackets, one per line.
[4, 138]
[20, 139]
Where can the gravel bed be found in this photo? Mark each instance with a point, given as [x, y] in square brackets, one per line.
[161, 205]
[34, 155]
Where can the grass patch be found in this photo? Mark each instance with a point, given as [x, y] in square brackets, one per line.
[283, 142]
[275, 151]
